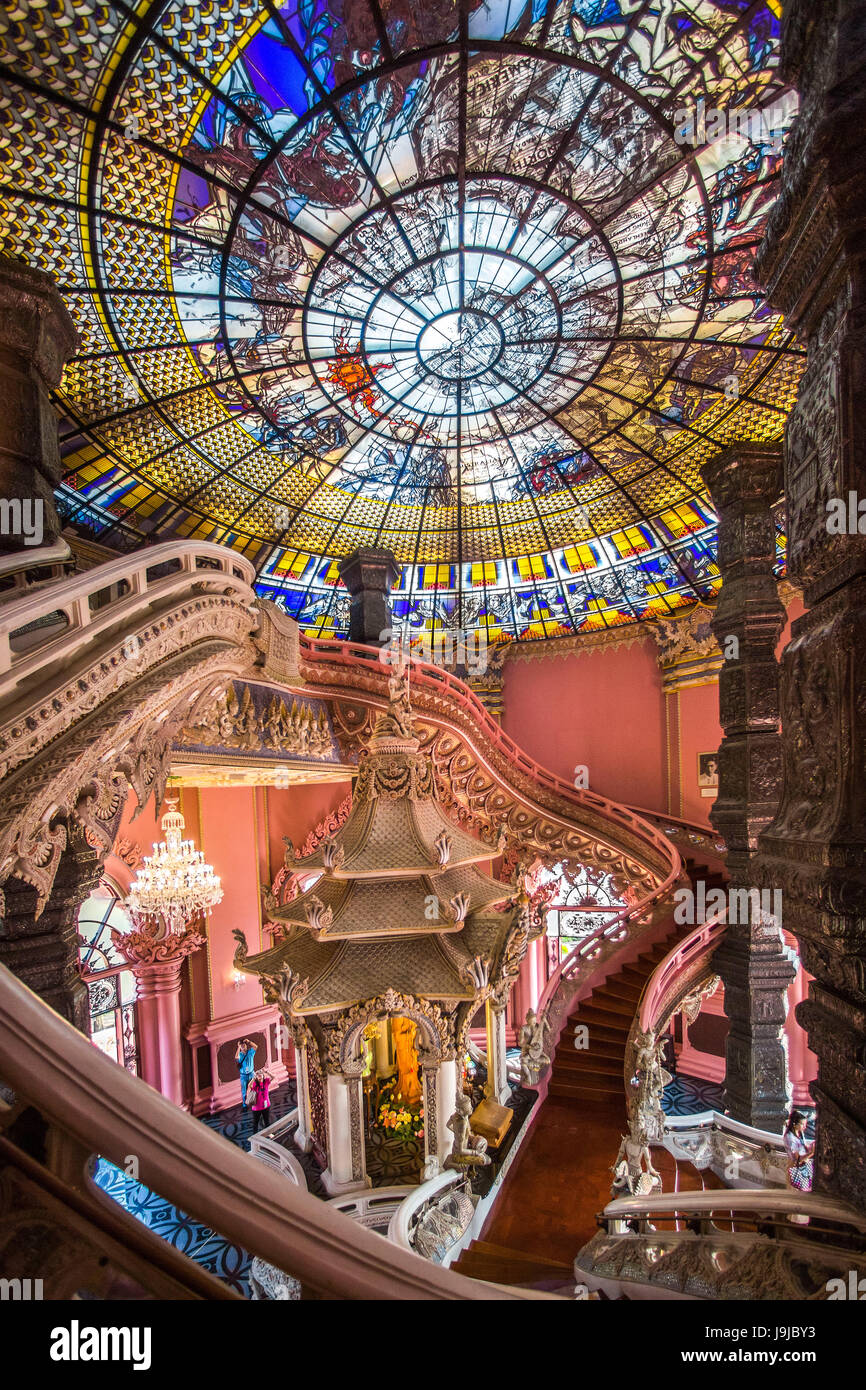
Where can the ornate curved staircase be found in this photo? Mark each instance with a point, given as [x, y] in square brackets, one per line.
[191, 613]
[594, 1074]
[499, 1264]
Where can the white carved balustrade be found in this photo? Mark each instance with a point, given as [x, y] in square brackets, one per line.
[119, 594]
[269, 1147]
[747, 1245]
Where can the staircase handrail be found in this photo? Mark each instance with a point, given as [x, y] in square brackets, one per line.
[711, 1139]
[89, 1097]
[773, 1201]
[682, 956]
[698, 832]
[404, 1217]
[34, 558]
[265, 1146]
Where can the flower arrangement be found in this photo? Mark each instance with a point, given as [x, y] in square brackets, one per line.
[408, 1124]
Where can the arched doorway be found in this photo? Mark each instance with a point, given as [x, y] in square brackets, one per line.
[111, 987]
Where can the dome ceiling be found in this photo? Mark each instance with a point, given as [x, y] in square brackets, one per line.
[454, 280]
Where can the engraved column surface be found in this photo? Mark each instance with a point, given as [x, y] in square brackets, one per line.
[811, 264]
[37, 336]
[753, 961]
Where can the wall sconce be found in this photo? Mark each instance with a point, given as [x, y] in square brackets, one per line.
[237, 979]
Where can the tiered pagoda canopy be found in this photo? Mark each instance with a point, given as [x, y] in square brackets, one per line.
[401, 903]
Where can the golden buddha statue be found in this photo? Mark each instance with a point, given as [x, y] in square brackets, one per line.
[403, 1032]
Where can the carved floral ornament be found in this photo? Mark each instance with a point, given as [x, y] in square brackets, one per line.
[504, 796]
[149, 945]
[435, 1026]
[234, 721]
[205, 619]
[688, 636]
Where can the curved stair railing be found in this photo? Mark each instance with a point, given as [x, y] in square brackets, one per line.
[725, 1244]
[345, 666]
[269, 1146]
[586, 962]
[423, 1202]
[24, 569]
[90, 1105]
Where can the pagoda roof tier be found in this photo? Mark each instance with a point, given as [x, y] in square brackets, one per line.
[338, 908]
[338, 974]
[395, 837]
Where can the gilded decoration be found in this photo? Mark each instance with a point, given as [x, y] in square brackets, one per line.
[257, 720]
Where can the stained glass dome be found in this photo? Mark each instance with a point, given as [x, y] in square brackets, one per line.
[471, 281]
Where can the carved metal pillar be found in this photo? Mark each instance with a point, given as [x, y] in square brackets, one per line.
[43, 950]
[753, 961]
[812, 267]
[157, 962]
[37, 336]
[303, 1140]
[496, 1087]
[369, 576]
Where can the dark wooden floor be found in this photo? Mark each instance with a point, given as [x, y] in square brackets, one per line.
[559, 1181]
[562, 1177]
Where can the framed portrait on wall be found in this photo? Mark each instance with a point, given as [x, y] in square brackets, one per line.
[708, 774]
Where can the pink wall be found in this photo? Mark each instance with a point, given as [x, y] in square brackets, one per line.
[802, 1064]
[296, 811]
[699, 732]
[603, 707]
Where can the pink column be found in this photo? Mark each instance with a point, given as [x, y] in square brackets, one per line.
[157, 961]
[157, 996]
[802, 1063]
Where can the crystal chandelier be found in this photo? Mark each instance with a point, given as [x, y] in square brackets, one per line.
[175, 884]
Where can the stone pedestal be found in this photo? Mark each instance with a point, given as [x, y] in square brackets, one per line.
[753, 961]
[37, 336]
[369, 576]
[43, 950]
[347, 1166]
[811, 265]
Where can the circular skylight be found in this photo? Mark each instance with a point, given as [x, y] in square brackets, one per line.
[472, 282]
